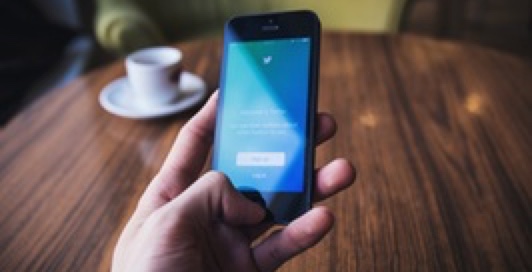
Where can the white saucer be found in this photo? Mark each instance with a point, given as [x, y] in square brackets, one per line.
[117, 99]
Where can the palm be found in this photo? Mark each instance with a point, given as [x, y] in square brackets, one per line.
[223, 248]
[203, 246]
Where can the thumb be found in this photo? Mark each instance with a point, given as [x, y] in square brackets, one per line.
[212, 197]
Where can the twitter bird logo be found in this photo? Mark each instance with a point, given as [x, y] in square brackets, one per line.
[267, 59]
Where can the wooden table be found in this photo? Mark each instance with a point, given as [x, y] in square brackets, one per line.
[441, 134]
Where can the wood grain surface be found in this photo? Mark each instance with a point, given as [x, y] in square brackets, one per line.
[440, 132]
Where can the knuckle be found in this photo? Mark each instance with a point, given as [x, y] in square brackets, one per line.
[216, 176]
[276, 255]
[198, 130]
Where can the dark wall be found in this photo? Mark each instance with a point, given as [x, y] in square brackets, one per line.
[30, 45]
[501, 24]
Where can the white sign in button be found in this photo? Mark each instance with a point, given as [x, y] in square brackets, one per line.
[260, 159]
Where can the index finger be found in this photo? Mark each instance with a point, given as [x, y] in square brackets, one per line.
[190, 150]
[184, 161]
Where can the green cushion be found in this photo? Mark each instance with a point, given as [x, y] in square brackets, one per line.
[126, 25]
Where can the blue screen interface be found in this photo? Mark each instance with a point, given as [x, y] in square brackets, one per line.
[263, 120]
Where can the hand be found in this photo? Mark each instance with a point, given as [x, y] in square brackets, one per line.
[184, 222]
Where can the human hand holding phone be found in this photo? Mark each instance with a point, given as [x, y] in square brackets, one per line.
[185, 222]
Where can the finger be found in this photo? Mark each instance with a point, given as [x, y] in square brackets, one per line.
[298, 236]
[213, 198]
[330, 179]
[333, 178]
[190, 150]
[326, 128]
[184, 161]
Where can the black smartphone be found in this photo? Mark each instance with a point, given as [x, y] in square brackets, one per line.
[264, 137]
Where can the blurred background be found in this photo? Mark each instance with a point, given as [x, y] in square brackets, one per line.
[47, 43]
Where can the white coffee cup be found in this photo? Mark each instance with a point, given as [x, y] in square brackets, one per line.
[154, 74]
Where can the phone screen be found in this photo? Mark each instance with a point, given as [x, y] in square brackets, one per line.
[266, 110]
[263, 122]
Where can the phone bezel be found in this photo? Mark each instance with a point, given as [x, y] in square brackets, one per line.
[283, 207]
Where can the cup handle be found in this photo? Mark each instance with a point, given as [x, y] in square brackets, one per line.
[175, 74]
